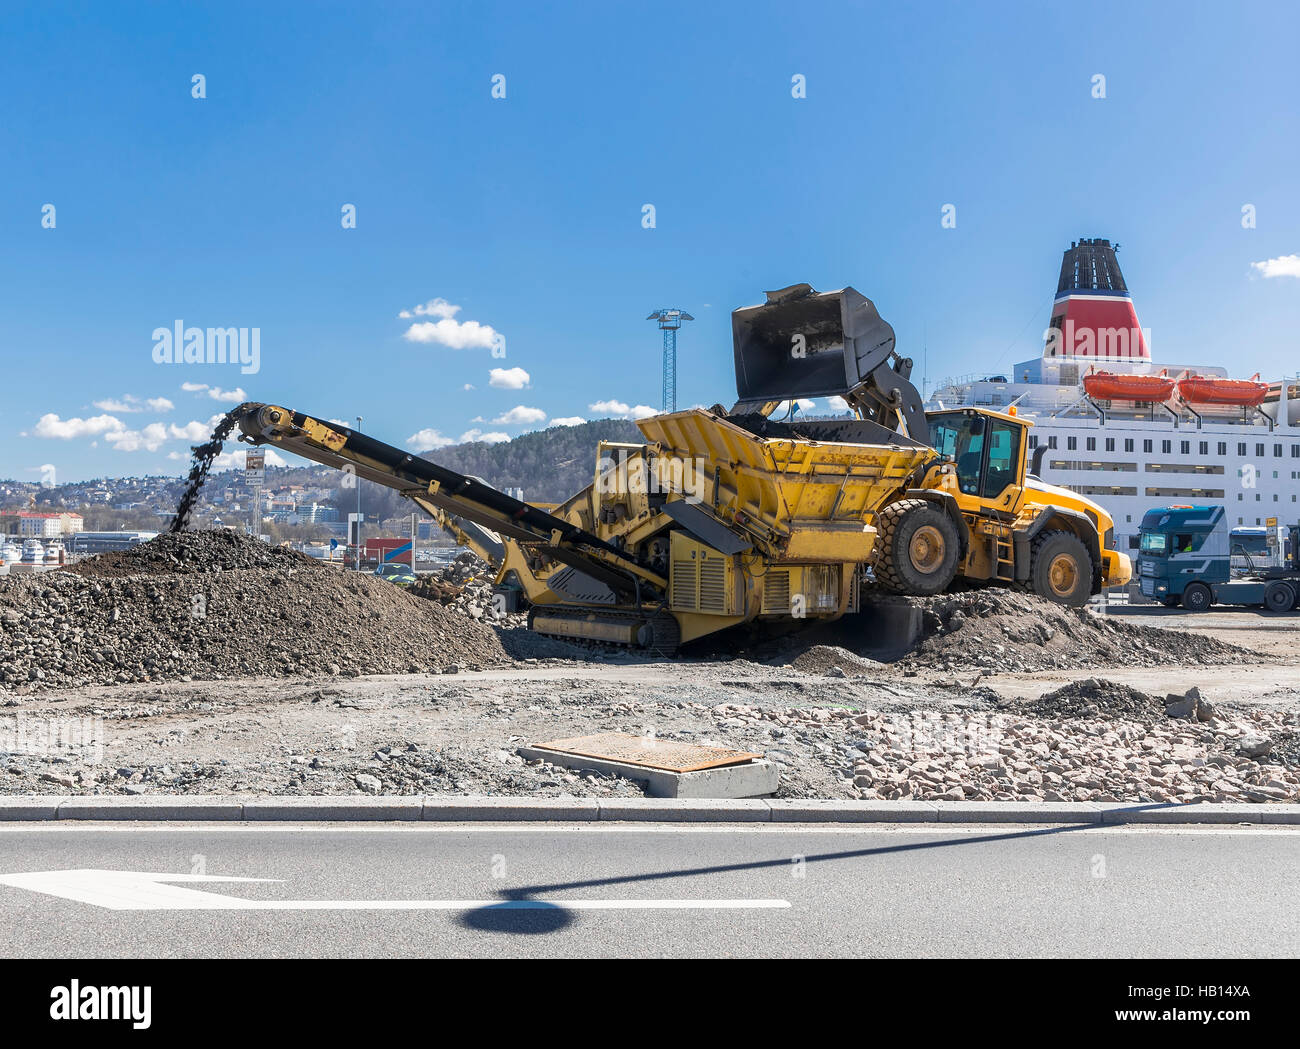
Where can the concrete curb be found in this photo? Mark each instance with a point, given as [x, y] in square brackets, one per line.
[444, 809]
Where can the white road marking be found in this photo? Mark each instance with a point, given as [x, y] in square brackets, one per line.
[146, 891]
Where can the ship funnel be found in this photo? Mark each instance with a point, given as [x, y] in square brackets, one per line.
[801, 343]
[1093, 316]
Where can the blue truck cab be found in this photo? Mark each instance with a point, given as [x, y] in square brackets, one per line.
[1185, 558]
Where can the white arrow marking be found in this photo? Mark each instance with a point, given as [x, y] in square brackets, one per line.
[145, 891]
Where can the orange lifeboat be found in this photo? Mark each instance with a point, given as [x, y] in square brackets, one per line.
[1109, 386]
[1200, 390]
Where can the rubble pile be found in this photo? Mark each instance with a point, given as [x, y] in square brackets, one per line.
[1009, 631]
[208, 605]
[1178, 751]
[466, 586]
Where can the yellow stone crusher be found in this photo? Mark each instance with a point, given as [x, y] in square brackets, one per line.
[726, 517]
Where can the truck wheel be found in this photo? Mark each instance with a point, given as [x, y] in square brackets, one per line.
[1197, 597]
[1278, 598]
[1060, 568]
[917, 552]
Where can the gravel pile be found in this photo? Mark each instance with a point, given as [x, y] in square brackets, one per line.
[1008, 631]
[209, 605]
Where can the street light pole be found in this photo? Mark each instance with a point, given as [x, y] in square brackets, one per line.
[358, 479]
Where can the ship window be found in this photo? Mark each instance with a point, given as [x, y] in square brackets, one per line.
[1277, 451]
[1259, 449]
[1128, 444]
[1223, 447]
[1240, 497]
[1185, 448]
[1205, 447]
[1166, 446]
[1146, 445]
[1241, 447]
[1051, 441]
[1071, 443]
[1295, 451]
[1110, 444]
[1092, 444]
[1033, 440]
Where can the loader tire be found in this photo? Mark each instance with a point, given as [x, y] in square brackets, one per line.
[918, 548]
[1060, 568]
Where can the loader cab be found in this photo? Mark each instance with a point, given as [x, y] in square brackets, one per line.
[986, 448]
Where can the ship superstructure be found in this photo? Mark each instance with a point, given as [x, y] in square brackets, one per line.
[1132, 433]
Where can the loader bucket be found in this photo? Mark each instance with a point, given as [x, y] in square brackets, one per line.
[802, 343]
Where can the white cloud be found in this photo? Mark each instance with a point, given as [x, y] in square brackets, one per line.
[194, 387]
[1282, 266]
[569, 420]
[619, 410]
[469, 386]
[487, 438]
[455, 335]
[508, 378]
[445, 330]
[804, 404]
[427, 439]
[191, 431]
[51, 426]
[235, 460]
[234, 396]
[150, 438]
[130, 403]
[521, 415]
[439, 308]
[126, 404]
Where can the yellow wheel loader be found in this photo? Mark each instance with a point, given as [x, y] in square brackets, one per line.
[728, 517]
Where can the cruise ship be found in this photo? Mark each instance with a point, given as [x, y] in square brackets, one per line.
[1132, 433]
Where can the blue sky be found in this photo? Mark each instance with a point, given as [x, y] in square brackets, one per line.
[526, 212]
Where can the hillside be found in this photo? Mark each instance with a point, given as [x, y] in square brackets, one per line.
[549, 465]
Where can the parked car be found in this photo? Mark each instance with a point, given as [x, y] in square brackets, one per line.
[401, 575]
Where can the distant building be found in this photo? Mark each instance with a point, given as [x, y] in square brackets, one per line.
[317, 513]
[31, 525]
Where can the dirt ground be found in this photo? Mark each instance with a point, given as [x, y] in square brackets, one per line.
[839, 723]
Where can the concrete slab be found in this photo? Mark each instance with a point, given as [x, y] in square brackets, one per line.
[751, 780]
[822, 810]
[1017, 812]
[161, 807]
[334, 808]
[533, 809]
[685, 810]
[1175, 812]
[31, 807]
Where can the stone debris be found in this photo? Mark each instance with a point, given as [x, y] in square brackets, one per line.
[466, 587]
[999, 630]
[1010, 757]
[211, 605]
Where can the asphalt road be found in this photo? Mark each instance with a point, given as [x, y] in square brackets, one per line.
[457, 890]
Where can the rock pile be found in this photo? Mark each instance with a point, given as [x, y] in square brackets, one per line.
[1009, 631]
[466, 587]
[1147, 756]
[205, 605]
